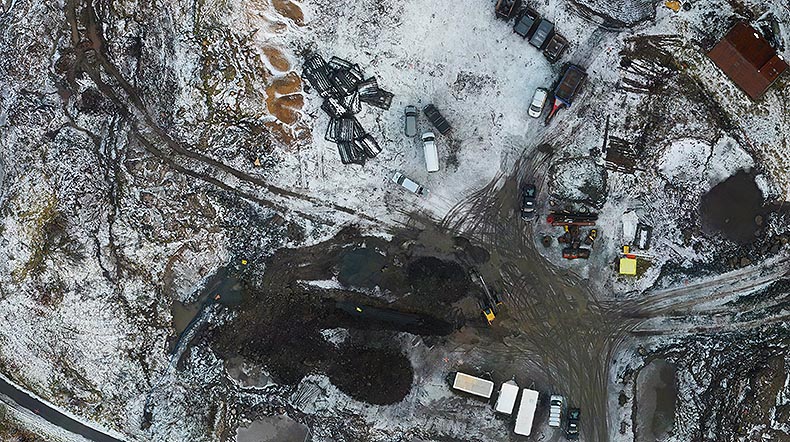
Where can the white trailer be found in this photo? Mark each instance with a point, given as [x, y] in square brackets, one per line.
[526, 412]
[473, 385]
[507, 397]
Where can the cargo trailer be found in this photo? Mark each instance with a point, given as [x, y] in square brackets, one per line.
[508, 393]
[473, 385]
[526, 412]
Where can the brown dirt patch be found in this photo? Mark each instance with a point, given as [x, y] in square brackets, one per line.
[290, 10]
[277, 59]
[283, 99]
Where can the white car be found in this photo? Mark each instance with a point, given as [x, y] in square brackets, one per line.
[538, 101]
[408, 184]
[555, 412]
[431, 154]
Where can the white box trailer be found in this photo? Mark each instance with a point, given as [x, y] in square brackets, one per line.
[473, 385]
[526, 412]
[507, 397]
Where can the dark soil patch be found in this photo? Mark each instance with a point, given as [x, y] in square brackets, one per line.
[376, 376]
[442, 281]
[731, 207]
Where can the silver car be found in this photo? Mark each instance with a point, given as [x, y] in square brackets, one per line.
[538, 101]
[411, 121]
[408, 184]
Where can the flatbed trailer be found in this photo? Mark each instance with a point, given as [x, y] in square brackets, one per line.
[566, 90]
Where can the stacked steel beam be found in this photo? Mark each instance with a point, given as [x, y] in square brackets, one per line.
[344, 89]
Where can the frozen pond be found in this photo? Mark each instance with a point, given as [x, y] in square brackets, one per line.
[273, 429]
[656, 397]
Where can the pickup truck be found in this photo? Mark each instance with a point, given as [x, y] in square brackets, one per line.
[436, 119]
[566, 90]
[506, 9]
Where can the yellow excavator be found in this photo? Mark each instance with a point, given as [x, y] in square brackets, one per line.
[490, 304]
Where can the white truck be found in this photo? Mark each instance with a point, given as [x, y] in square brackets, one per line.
[526, 412]
[473, 385]
[507, 398]
[555, 412]
[431, 154]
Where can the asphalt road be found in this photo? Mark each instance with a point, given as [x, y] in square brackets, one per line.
[51, 415]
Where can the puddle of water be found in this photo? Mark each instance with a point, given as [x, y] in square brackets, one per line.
[731, 207]
[224, 283]
[361, 267]
[250, 375]
[273, 429]
[657, 395]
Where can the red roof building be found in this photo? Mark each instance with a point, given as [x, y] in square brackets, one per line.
[747, 58]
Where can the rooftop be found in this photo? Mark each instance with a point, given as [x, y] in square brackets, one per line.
[748, 59]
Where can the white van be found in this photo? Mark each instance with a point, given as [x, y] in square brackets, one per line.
[431, 154]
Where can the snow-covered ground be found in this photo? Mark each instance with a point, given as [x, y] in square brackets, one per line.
[98, 237]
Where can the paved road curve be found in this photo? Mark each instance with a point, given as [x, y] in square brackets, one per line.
[52, 415]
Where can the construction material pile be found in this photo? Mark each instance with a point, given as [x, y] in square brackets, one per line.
[344, 89]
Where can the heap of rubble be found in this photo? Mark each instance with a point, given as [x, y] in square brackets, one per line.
[342, 85]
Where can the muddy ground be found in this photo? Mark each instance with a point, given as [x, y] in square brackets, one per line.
[384, 287]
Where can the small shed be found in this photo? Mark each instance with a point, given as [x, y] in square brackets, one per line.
[748, 60]
[628, 266]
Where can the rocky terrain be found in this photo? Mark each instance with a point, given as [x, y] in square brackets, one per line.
[183, 256]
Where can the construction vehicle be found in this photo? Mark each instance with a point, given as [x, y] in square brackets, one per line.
[473, 385]
[490, 303]
[566, 90]
[591, 237]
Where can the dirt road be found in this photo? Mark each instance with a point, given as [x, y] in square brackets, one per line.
[577, 333]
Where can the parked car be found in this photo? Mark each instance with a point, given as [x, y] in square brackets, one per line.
[528, 201]
[438, 121]
[411, 121]
[538, 101]
[431, 154]
[526, 23]
[543, 33]
[572, 426]
[555, 412]
[408, 184]
[555, 48]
